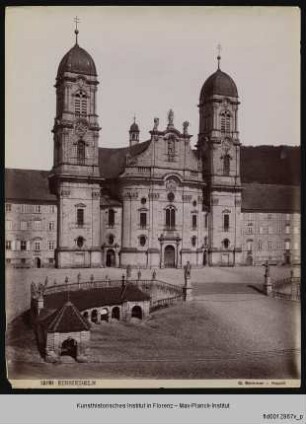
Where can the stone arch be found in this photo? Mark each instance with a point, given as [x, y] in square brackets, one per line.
[69, 347]
[94, 316]
[104, 314]
[136, 312]
[110, 258]
[116, 313]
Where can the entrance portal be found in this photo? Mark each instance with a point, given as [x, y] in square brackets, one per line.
[69, 348]
[37, 262]
[110, 258]
[169, 257]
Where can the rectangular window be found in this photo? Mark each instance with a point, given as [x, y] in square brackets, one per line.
[250, 229]
[194, 221]
[23, 225]
[37, 245]
[143, 219]
[249, 245]
[51, 245]
[111, 217]
[8, 245]
[37, 225]
[52, 209]
[287, 229]
[51, 226]
[225, 222]
[23, 245]
[84, 107]
[8, 207]
[37, 209]
[77, 106]
[206, 220]
[287, 244]
[80, 217]
[8, 225]
[287, 217]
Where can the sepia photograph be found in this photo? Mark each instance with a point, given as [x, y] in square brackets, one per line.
[152, 197]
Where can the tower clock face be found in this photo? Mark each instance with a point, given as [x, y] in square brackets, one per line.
[80, 128]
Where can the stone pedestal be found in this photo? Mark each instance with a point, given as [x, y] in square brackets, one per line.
[187, 290]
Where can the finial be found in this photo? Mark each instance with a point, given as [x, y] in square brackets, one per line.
[134, 119]
[219, 48]
[76, 31]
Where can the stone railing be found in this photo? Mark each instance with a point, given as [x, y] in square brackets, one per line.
[156, 289]
[288, 288]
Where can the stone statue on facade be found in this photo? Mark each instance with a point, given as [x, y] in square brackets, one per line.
[187, 270]
[156, 123]
[185, 127]
[170, 118]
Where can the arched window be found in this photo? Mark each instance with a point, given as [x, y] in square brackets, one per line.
[193, 241]
[81, 152]
[170, 217]
[111, 239]
[143, 219]
[142, 240]
[226, 243]
[226, 165]
[111, 217]
[225, 222]
[225, 122]
[80, 104]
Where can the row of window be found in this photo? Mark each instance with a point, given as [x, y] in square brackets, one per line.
[31, 208]
[27, 225]
[27, 245]
[253, 216]
[269, 245]
[270, 230]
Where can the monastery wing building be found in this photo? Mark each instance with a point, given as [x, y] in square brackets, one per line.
[157, 203]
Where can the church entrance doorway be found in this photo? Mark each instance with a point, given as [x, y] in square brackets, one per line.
[169, 257]
[249, 260]
[110, 258]
[38, 262]
[69, 348]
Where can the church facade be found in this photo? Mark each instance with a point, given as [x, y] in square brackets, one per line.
[157, 203]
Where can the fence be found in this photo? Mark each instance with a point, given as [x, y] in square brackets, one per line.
[288, 288]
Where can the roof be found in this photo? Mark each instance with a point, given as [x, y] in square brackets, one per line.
[134, 127]
[277, 166]
[66, 319]
[112, 161]
[218, 83]
[270, 197]
[28, 185]
[77, 60]
[85, 299]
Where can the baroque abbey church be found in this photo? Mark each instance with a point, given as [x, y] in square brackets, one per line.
[157, 203]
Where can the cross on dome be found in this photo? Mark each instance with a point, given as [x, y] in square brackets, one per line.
[219, 48]
[76, 31]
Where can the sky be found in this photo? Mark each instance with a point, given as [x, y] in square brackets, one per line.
[151, 59]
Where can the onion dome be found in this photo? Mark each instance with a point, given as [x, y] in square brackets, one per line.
[77, 60]
[220, 84]
[134, 127]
